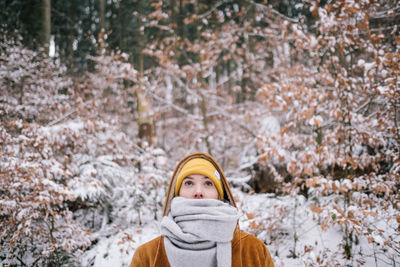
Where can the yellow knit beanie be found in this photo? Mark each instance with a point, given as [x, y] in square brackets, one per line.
[200, 166]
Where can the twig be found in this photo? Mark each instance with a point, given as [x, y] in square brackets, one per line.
[269, 8]
[228, 116]
[60, 119]
[179, 109]
[212, 9]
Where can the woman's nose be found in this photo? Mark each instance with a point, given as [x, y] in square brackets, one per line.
[198, 193]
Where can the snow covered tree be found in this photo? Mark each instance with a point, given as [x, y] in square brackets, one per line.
[37, 227]
[70, 176]
[296, 98]
[338, 106]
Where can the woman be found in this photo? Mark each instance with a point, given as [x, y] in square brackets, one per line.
[200, 223]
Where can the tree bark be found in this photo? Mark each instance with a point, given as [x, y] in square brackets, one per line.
[140, 37]
[145, 121]
[121, 26]
[102, 13]
[46, 24]
[203, 83]
[71, 37]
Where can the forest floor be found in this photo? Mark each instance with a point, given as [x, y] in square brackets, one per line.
[285, 223]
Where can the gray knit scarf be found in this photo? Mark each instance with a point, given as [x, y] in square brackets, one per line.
[198, 232]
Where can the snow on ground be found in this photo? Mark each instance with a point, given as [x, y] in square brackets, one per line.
[277, 220]
[286, 218]
[117, 250]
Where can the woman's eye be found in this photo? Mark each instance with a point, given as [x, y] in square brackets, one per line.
[209, 183]
[187, 183]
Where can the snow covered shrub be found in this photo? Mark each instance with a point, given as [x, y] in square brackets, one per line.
[70, 176]
[339, 113]
[118, 186]
[129, 197]
[37, 227]
[118, 183]
[115, 87]
[33, 86]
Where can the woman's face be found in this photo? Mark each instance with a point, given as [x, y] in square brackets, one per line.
[198, 186]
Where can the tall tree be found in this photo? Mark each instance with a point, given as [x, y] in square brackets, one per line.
[46, 23]
[102, 14]
[71, 36]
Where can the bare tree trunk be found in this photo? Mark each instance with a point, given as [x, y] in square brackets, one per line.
[173, 18]
[205, 124]
[121, 25]
[71, 37]
[180, 19]
[140, 36]
[245, 83]
[46, 24]
[145, 121]
[204, 84]
[102, 11]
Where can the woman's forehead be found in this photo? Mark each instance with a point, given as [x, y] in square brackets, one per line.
[194, 176]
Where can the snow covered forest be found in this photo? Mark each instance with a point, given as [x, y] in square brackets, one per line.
[298, 100]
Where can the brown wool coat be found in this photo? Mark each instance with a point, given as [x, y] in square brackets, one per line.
[247, 250]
